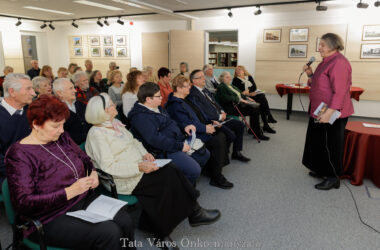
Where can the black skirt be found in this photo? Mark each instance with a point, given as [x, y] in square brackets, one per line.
[324, 147]
[166, 197]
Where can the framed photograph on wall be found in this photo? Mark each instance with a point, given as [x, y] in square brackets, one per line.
[108, 51]
[107, 41]
[77, 41]
[297, 50]
[272, 36]
[120, 41]
[94, 40]
[95, 51]
[317, 44]
[78, 52]
[299, 35]
[370, 51]
[121, 52]
[371, 32]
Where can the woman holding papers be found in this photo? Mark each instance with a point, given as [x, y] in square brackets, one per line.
[165, 195]
[330, 83]
[49, 175]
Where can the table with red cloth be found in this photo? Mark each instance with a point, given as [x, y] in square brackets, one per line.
[361, 153]
[290, 89]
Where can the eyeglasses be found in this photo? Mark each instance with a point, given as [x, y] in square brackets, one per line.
[200, 77]
[185, 87]
[158, 96]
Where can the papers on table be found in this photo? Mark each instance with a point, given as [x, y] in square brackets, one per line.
[368, 125]
[162, 162]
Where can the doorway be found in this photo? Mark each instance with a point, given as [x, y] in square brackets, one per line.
[29, 50]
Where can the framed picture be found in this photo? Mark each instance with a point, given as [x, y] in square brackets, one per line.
[107, 41]
[317, 45]
[298, 35]
[371, 32]
[370, 51]
[297, 50]
[78, 51]
[77, 40]
[94, 40]
[120, 41]
[108, 51]
[272, 36]
[121, 52]
[95, 51]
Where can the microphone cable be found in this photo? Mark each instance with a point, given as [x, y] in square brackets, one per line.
[299, 90]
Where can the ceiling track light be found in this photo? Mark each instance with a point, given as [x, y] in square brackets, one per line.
[377, 3]
[74, 24]
[99, 23]
[258, 12]
[320, 8]
[43, 26]
[362, 5]
[119, 21]
[18, 22]
[106, 22]
[51, 26]
[230, 15]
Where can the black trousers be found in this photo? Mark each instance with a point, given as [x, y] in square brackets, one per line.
[73, 233]
[253, 114]
[234, 131]
[318, 137]
[264, 106]
[217, 146]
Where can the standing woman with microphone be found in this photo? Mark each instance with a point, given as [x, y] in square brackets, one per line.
[330, 83]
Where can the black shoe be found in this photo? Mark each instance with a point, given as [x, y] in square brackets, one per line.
[271, 119]
[262, 137]
[204, 217]
[239, 156]
[315, 175]
[328, 184]
[221, 183]
[166, 243]
[269, 129]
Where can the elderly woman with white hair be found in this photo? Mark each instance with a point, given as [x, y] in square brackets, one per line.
[84, 91]
[6, 71]
[165, 195]
[42, 86]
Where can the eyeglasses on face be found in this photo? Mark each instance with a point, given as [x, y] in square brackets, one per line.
[157, 96]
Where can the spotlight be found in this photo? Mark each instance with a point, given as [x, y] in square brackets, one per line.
[74, 24]
[18, 22]
[120, 21]
[320, 8]
[51, 26]
[230, 15]
[258, 12]
[99, 23]
[106, 22]
[377, 3]
[362, 5]
[43, 26]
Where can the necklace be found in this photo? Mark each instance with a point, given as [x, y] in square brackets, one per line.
[72, 167]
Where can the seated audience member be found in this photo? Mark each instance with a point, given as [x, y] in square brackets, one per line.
[77, 68]
[211, 81]
[116, 80]
[161, 136]
[184, 113]
[228, 95]
[48, 176]
[184, 69]
[84, 91]
[18, 93]
[132, 69]
[129, 94]
[89, 66]
[113, 149]
[145, 76]
[62, 72]
[151, 76]
[41, 85]
[164, 77]
[47, 72]
[205, 101]
[112, 66]
[7, 70]
[71, 68]
[35, 70]
[76, 124]
[97, 81]
[244, 81]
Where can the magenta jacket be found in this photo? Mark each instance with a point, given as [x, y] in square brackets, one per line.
[331, 84]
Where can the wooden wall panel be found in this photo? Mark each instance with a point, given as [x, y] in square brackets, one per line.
[155, 50]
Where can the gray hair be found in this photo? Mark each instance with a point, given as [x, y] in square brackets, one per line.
[78, 76]
[206, 67]
[58, 84]
[333, 41]
[12, 81]
[38, 80]
[95, 112]
[221, 76]
[112, 64]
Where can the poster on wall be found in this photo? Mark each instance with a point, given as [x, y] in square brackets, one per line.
[94, 40]
[77, 41]
[370, 51]
[297, 50]
[371, 32]
[121, 52]
[272, 36]
[95, 51]
[120, 41]
[108, 51]
[78, 51]
[299, 35]
[107, 41]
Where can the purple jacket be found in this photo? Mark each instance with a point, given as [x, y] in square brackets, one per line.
[331, 84]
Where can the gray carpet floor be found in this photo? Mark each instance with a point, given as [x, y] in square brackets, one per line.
[274, 204]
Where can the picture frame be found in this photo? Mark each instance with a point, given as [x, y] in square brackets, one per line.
[108, 51]
[121, 52]
[370, 51]
[94, 40]
[95, 51]
[120, 41]
[77, 41]
[317, 44]
[371, 33]
[297, 51]
[107, 40]
[272, 36]
[78, 51]
[299, 35]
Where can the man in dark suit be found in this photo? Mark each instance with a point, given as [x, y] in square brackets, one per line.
[35, 70]
[205, 101]
[76, 125]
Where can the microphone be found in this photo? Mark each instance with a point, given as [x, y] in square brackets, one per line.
[312, 59]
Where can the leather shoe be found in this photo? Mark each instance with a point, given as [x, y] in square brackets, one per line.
[239, 156]
[204, 217]
[315, 175]
[269, 129]
[328, 184]
[262, 137]
[221, 183]
[166, 243]
[271, 119]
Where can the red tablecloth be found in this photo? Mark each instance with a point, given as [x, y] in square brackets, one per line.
[282, 89]
[361, 153]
